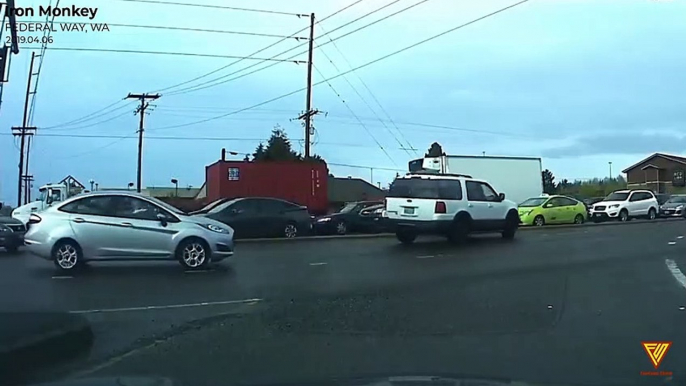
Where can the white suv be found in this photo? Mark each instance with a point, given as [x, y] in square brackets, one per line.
[453, 205]
[624, 205]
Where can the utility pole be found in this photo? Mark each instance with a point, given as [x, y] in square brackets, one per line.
[308, 103]
[610, 163]
[141, 110]
[24, 131]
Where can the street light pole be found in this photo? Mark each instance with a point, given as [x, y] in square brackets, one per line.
[176, 186]
[610, 163]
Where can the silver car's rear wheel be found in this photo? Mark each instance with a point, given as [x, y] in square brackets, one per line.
[67, 255]
[193, 254]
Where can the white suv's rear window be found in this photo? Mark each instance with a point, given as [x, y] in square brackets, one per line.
[426, 188]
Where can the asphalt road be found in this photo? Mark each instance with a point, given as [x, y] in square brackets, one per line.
[563, 306]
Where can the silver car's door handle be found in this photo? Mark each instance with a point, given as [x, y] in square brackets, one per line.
[78, 219]
[471, 205]
[127, 224]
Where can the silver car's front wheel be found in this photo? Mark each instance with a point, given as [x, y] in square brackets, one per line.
[67, 255]
[193, 254]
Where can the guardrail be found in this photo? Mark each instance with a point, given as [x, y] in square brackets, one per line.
[528, 228]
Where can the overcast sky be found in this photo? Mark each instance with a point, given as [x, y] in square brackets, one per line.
[578, 83]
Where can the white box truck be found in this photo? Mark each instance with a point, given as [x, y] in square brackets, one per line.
[519, 178]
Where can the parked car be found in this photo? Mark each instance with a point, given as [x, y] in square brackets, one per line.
[349, 219]
[374, 215]
[262, 217]
[662, 198]
[104, 225]
[11, 233]
[674, 206]
[556, 209]
[452, 205]
[624, 205]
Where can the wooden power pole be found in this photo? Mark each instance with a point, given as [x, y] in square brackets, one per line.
[308, 103]
[24, 131]
[141, 110]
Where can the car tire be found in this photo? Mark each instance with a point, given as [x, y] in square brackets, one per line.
[539, 221]
[290, 230]
[459, 231]
[193, 253]
[67, 255]
[511, 225]
[624, 215]
[652, 215]
[579, 219]
[405, 236]
[341, 228]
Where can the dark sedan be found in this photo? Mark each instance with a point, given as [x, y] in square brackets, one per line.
[354, 217]
[262, 217]
[11, 233]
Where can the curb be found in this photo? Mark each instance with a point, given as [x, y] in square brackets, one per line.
[384, 235]
[33, 341]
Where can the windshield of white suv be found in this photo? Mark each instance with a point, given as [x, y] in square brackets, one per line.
[617, 197]
[676, 200]
[426, 188]
[532, 202]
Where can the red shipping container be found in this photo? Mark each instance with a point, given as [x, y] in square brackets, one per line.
[304, 183]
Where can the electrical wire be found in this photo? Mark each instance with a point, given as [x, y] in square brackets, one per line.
[188, 29]
[369, 91]
[94, 115]
[358, 119]
[121, 51]
[90, 125]
[159, 2]
[363, 100]
[346, 72]
[254, 53]
[94, 150]
[210, 83]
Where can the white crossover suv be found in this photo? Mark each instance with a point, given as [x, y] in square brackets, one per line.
[624, 205]
[452, 205]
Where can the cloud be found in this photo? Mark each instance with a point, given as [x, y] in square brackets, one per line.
[620, 144]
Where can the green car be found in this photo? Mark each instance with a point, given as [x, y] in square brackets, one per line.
[544, 210]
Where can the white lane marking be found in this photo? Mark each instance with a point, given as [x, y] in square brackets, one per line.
[171, 306]
[62, 277]
[679, 237]
[425, 257]
[676, 272]
[672, 243]
[319, 263]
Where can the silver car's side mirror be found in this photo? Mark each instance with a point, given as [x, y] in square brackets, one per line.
[162, 219]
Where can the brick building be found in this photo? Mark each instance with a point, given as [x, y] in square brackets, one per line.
[661, 173]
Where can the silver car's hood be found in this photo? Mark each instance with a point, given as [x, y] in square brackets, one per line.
[203, 220]
[672, 205]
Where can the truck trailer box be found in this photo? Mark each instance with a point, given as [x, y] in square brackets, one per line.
[303, 183]
[519, 178]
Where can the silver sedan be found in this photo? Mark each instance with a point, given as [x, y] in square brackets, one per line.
[103, 226]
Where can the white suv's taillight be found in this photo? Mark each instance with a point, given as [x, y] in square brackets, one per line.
[440, 207]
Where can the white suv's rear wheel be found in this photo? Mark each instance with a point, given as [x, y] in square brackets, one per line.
[406, 236]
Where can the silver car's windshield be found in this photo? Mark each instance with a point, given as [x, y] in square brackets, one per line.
[166, 206]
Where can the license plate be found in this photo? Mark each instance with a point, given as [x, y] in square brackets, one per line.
[408, 211]
[598, 215]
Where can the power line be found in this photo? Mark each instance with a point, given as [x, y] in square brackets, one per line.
[209, 83]
[345, 72]
[358, 119]
[92, 124]
[363, 100]
[159, 2]
[365, 167]
[188, 29]
[121, 51]
[88, 116]
[369, 91]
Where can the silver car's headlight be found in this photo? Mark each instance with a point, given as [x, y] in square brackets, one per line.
[215, 228]
[680, 207]
[614, 206]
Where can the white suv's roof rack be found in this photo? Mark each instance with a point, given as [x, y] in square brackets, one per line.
[437, 174]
